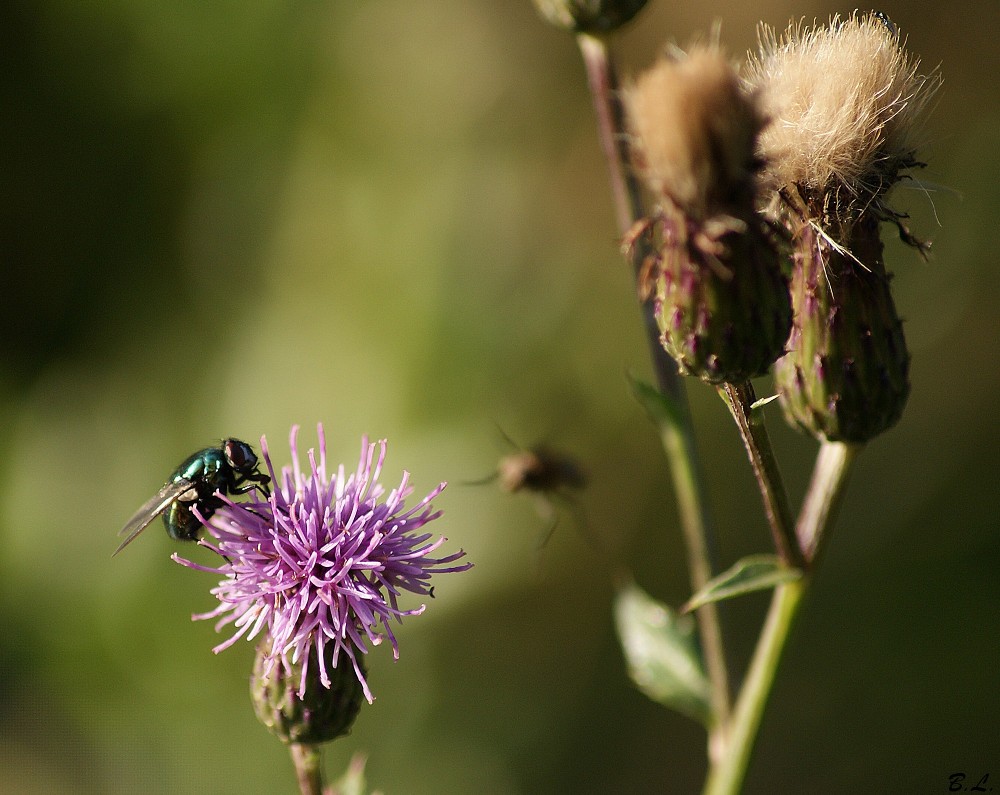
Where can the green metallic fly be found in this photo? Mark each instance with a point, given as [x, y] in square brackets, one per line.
[201, 478]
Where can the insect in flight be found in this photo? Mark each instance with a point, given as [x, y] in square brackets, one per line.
[230, 468]
[543, 471]
[539, 469]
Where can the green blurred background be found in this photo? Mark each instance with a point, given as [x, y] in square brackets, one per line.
[392, 217]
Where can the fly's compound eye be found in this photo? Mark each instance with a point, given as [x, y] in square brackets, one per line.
[239, 455]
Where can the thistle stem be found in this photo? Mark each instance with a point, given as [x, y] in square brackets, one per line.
[740, 399]
[726, 778]
[833, 466]
[627, 194]
[308, 767]
[679, 449]
[678, 440]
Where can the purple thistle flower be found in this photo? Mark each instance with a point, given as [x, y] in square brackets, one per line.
[322, 561]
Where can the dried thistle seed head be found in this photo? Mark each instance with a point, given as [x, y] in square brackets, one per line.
[694, 131]
[722, 301]
[843, 101]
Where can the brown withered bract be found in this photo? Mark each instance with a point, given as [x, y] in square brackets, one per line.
[650, 268]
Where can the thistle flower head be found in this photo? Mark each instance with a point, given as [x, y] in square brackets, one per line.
[322, 562]
[843, 101]
[694, 131]
[722, 301]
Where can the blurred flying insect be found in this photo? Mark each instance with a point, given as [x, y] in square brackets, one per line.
[549, 474]
[230, 468]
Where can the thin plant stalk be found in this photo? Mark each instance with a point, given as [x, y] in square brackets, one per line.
[308, 761]
[687, 486]
[626, 193]
[740, 398]
[830, 475]
[726, 777]
[678, 440]
[832, 458]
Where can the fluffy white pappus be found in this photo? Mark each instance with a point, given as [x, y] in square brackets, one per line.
[693, 131]
[843, 102]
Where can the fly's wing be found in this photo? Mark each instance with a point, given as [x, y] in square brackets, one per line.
[156, 505]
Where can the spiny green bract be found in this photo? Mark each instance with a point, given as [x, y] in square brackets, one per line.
[846, 375]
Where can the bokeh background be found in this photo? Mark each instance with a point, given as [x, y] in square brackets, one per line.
[392, 217]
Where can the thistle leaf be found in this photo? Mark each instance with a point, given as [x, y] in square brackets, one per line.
[662, 410]
[753, 573]
[662, 654]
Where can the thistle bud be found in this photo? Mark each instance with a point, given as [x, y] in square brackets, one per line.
[722, 301]
[845, 377]
[320, 713]
[847, 97]
[589, 16]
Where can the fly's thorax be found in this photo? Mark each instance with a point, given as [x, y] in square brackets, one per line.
[204, 465]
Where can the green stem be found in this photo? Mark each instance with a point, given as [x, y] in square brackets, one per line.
[678, 440]
[679, 448]
[308, 763]
[627, 194]
[726, 778]
[819, 510]
[833, 465]
[740, 398]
